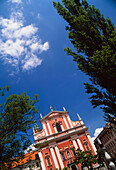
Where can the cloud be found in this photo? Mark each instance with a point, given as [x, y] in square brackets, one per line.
[16, 1]
[38, 15]
[30, 63]
[38, 46]
[97, 132]
[20, 46]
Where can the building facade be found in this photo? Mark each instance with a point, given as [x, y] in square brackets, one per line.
[59, 139]
[107, 139]
[30, 161]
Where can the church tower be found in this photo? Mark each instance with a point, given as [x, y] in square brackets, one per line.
[59, 139]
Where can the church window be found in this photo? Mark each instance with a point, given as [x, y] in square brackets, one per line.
[63, 156]
[68, 154]
[73, 152]
[36, 156]
[48, 161]
[58, 127]
[86, 146]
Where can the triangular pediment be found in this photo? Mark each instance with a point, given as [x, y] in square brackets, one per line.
[53, 114]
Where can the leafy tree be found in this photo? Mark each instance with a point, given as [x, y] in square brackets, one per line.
[16, 117]
[94, 41]
[85, 158]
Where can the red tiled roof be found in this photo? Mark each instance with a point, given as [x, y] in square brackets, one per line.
[27, 157]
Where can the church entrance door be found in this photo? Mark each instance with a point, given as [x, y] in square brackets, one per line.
[73, 167]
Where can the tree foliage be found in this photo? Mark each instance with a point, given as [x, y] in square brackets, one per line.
[94, 41]
[16, 117]
[87, 159]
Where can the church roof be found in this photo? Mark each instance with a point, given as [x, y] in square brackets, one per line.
[27, 158]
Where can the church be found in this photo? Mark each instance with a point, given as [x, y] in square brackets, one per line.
[59, 139]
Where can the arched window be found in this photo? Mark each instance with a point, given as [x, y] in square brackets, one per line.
[58, 127]
[48, 161]
[68, 154]
[73, 152]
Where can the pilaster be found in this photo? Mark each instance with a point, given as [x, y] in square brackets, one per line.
[80, 145]
[42, 161]
[49, 128]
[59, 157]
[91, 142]
[66, 122]
[44, 127]
[54, 157]
[69, 121]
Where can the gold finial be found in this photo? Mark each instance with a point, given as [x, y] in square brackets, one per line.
[51, 108]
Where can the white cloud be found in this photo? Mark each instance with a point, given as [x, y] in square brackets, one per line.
[16, 1]
[19, 43]
[38, 15]
[97, 132]
[32, 62]
[12, 48]
[38, 46]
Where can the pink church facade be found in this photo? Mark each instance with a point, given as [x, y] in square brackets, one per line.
[59, 140]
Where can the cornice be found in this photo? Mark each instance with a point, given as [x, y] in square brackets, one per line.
[48, 139]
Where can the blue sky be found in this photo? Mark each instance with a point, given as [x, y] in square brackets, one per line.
[32, 58]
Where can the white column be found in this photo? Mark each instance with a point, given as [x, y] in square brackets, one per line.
[54, 158]
[59, 157]
[75, 144]
[91, 142]
[65, 122]
[55, 129]
[62, 127]
[49, 128]
[42, 161]
[80, 145]
[69, 121]
[44, 127]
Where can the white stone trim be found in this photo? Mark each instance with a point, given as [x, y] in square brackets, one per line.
[54, 158]
[91, 142]
[41, 160]
[44, 127]
[49, 128]
[59, 157]
[69, 121]
[62, 127]
[65, 122]
[55, 129]
[80, 145]
[75, 144]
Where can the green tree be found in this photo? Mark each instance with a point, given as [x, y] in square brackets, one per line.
[86, 159]
[94, 41]
[16, 117]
